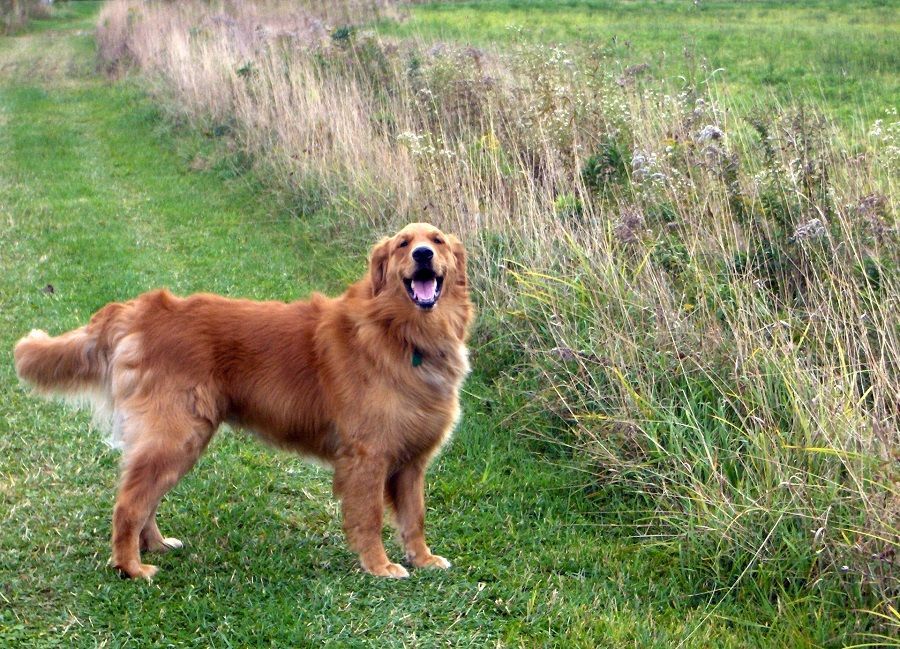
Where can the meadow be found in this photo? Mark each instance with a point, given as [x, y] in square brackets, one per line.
[682, 428]
[837, 54]
[16, 14]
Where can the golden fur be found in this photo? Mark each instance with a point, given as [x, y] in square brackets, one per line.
[368, 382]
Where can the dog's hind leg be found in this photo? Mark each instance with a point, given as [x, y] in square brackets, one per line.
[165, 447]
[152, 539]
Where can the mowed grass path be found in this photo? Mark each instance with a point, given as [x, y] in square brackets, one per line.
[99, 202]
[839, 54]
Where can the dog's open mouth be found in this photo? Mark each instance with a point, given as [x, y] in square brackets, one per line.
[424, 288]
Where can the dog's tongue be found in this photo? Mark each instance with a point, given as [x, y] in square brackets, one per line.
[424, 289]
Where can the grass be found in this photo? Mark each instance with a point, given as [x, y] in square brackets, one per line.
[104, 194]
[16, 14]
[836, 53]
[99, 203]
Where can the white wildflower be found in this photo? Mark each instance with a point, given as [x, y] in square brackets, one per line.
[812, 229]
[710, 133]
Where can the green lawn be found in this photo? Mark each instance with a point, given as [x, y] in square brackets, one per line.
[102, 198]
[841, 54]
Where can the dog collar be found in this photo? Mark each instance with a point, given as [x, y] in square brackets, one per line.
[416, 357]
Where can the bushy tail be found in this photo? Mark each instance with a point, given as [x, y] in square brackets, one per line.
[74, 362]
[66, 364]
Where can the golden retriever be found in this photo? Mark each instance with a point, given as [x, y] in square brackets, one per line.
[368, 382]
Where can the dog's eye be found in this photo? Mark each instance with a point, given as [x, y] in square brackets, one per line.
[403, 244]
[438, 240]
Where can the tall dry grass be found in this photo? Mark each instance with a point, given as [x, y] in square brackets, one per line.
[15, 14]
[700, 302]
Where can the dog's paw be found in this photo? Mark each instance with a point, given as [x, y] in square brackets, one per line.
[392, 570]
[161, 546]
[136, 570]
[431, 561]
[146, 571]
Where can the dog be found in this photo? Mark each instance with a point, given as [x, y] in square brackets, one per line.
[367, 382]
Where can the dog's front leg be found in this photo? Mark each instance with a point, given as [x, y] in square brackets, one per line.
[406, 489]
[359, 482]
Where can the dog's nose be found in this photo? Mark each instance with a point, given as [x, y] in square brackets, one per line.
[423, 254]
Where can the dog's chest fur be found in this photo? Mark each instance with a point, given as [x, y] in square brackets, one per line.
[445, 369]
[441, 373]
[418, 402]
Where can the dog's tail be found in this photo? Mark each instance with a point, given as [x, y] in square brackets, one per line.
[75, 362]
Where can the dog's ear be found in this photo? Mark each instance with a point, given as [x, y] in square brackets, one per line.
[378, 259]
[459, 252]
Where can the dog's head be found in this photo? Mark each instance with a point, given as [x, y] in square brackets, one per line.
[421, 263]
